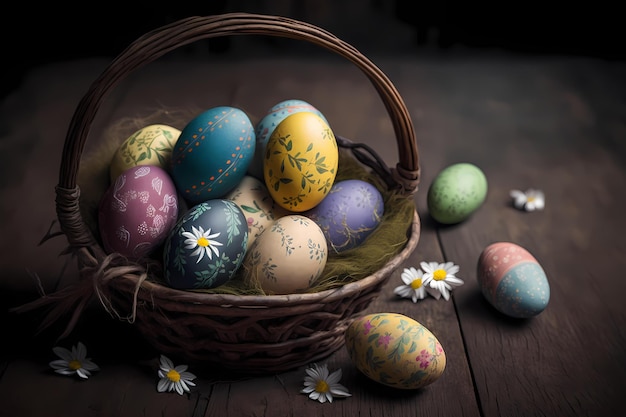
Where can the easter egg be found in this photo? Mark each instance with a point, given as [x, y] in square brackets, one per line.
[137, 211]
[257, 205]
[301, 159]
[288, 256]
[212, 154]
[150, 145]
[268, 123]
[512, 280]
[206, 247]
[456, 193]
[395, 350]
[350, 212]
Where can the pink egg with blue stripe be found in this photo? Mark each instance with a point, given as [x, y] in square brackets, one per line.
[512, 280]
[212, 154]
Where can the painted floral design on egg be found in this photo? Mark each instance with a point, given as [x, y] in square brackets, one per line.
[206, 247]
[137, 211]
[395, 350]
[253, 198]
[350, 212]
[150, 145]
[268, 123]
[288, 256]
[301, 160]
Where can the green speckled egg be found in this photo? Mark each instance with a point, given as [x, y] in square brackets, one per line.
[456, 192]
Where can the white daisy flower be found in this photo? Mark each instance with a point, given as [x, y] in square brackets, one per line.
[441, 277]
[174, 378]
[74, 362]
[202, 242]
[530, 200]
[415, 286]
[321, 386]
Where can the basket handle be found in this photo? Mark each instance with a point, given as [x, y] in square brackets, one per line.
[160, 41]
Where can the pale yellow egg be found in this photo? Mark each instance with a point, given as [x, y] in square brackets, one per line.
[150, 145]
[288, 256]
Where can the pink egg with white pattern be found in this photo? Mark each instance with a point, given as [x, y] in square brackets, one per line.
[137, 211]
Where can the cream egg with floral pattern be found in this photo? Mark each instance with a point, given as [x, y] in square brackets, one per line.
[257, 205]
[288, 257]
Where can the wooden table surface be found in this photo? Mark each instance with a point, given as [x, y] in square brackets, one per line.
[554, 123]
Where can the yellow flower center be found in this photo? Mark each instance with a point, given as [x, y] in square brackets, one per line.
[416, 283]
[75, 365]
[203, 241]
[173, 375]
[530, 199]
[322, 386]
[440, 275]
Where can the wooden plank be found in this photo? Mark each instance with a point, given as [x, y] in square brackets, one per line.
[537, 124]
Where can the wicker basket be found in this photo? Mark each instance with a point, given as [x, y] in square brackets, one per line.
[248, 333]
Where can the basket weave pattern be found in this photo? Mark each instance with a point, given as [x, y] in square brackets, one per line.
[252, 333]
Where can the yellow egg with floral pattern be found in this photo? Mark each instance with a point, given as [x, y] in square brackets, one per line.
[395, 350]
[301, 159]
[150, 145]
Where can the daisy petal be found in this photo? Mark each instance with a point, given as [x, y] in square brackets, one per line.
[63, 353]
[340, 391]
[454, 281]
[162, 385]
[334, 378]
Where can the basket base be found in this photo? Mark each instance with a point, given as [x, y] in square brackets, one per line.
[256, 358]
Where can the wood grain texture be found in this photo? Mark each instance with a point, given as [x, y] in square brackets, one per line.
[528, 125]
[556, 124]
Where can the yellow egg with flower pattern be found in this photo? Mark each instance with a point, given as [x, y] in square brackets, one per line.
[395, 350]
[150, 145]
[301, 159]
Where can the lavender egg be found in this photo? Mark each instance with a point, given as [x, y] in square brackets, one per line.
[206, 247]
[350, 212]
[137, 211]
[212, 154]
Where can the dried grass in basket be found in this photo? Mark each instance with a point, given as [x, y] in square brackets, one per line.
[250, 333]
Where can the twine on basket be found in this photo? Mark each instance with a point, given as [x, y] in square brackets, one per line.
[94, 279]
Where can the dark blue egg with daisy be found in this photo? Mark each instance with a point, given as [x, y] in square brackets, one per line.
[206, 247]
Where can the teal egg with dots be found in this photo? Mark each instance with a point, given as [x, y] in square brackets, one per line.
[456, 193]
[212, 154]
[512, 280]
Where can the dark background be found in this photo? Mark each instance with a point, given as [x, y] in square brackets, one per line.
[52, 32]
